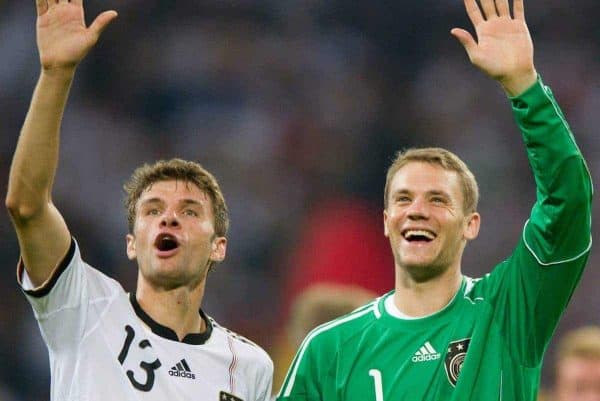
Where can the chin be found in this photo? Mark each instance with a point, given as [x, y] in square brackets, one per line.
[423, 272]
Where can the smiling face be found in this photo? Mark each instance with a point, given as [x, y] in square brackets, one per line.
[425, 220]
[173, 236]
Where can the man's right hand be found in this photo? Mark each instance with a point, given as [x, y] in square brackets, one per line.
[62, 37]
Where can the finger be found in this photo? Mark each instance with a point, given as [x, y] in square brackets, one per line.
[518, 10]
[41, 6]
[502, 7]
[465, 39]
[102, 21]
[473, 12]
[489, 9]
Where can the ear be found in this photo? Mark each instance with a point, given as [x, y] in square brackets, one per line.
[131, 253]
[386, 232]
[472, 223]
[218, 249]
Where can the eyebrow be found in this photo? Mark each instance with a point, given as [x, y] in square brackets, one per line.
[151, 200]
[430, 192]
[192, 202]
[436, 192]
[186, 201]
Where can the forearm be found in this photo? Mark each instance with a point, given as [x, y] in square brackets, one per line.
[559, 227]
[36, 156]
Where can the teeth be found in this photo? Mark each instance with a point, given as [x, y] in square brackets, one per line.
[421, 233]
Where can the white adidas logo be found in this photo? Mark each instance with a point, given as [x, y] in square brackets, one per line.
[426, 353]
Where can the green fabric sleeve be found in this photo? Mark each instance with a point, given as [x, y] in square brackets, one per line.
[559, 228]
[530, 290]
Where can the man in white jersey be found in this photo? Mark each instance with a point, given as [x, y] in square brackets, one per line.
[155, 344]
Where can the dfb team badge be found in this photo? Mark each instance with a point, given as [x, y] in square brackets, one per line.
[457, 351]
[223, 396]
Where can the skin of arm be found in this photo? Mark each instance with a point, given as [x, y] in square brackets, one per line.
[63, 41]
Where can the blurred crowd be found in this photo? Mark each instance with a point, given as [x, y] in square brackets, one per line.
[297, 106]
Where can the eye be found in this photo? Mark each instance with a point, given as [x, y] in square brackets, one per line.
[403, 198]
[152, 212]
[438, 200]
[190, 212]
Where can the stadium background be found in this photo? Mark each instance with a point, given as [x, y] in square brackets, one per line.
[298, 108]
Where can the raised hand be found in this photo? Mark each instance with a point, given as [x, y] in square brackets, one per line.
[503, 49]
[62, 37]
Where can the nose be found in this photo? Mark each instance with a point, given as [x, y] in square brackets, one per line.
[418, 210]
[169, 219]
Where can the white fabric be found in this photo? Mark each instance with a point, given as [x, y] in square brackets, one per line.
[392, 309]
[83, 322]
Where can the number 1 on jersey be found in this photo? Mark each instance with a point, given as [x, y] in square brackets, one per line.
[376, 375]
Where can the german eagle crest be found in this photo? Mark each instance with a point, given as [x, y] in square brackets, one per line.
[457, 351]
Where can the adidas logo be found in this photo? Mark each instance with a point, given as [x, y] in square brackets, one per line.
[426, 353]
[182, 369]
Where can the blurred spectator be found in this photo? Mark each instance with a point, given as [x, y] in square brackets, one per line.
[577, 366]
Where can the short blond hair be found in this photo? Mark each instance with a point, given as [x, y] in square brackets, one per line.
[443, 158]
[322, 302]
[179, 170]
[583, 342]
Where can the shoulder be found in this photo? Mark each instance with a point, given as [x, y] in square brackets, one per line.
[475, 289]
[241, 347]
[71, 279]
[344, 328]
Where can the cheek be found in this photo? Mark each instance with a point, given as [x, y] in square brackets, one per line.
[206, 228]
[394, 217]
[141, 233]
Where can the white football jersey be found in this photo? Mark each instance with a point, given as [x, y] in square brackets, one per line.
[103, 346]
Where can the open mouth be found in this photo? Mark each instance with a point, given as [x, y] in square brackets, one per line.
[166, 242]
[418, 235]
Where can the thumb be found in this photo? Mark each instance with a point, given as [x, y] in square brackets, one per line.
[465, 39]
[101, 22]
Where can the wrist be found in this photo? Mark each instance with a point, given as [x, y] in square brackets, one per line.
[519, 84]
[65, 73]
[56, 80]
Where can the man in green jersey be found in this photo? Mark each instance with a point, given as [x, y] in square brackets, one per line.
[440, 335]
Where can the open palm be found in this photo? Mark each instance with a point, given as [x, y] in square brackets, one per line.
[503, 49]
[62, 37]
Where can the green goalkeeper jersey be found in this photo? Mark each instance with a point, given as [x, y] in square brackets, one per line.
[487, 344]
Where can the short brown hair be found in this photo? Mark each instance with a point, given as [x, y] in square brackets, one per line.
[179, 170]
[583, 342]
[443, 158]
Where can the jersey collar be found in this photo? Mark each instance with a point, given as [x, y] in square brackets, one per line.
[166, 332]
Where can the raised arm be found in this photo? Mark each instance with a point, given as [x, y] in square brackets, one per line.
[63, 41]
[503, 49]
[532, 287]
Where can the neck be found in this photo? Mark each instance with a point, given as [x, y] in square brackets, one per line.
[419, 299]
[176, 308]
